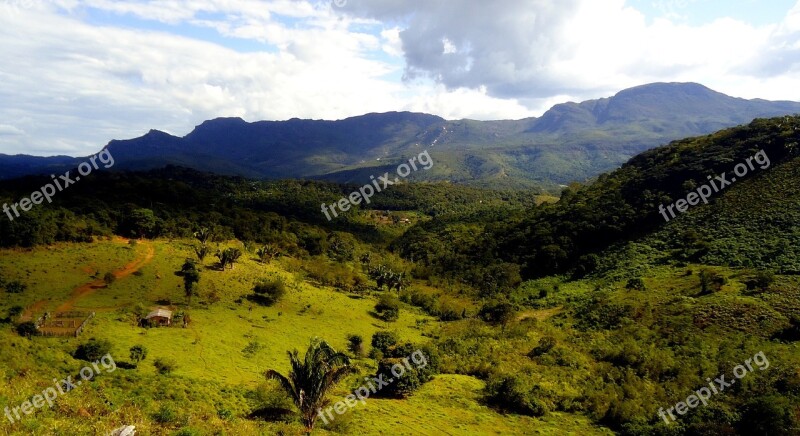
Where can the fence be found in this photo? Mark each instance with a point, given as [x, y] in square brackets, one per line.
[64, 324]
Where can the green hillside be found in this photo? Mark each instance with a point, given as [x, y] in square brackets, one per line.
[587, 315]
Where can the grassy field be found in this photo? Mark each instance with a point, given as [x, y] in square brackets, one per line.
[220, 357]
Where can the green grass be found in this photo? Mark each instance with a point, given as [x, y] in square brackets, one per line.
[213, 371]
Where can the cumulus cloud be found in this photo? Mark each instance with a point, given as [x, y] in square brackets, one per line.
[78, 73]
[535, 49]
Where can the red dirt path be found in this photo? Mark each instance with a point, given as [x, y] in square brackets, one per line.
[91, 287]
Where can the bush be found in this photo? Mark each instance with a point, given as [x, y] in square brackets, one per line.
[635, 284]
[383, 340]
[268, 292]
[407, 373]
[388, 308]
[513, 394]
[27, 329]
[497, 312]
[165, 365]
[109, 278]
[165, 415]
[710, 281]
[545, 344]
[138, 352]
[355, 344]
[93, 350]
[15, 287]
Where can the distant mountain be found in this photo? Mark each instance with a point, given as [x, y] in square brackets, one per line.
[571, 141]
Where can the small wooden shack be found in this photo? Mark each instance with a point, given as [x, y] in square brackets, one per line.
[159, 317]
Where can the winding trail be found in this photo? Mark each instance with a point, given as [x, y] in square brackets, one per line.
[92, 287]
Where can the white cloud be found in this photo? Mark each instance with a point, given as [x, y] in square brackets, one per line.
[69, 85]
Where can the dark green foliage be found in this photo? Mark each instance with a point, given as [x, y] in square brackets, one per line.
[15, 287]
[498, 312]
[710, 281]
[191, 276]
[383, 341]
[93, 350]
[228, 257]
[388, 307]
[636, 284]
[515, 394]
[545, 345]
[268, 292]
[761, 280]
[355, 344]
[770, 415]
[138, 353]
[109, 278]
[27, 329]
[165, 365]
[406, 368]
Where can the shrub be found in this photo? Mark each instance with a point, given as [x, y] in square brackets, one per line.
[138, 353]
[109, 278]
[545, 345]
[513, 394]
[388, 308]
[165, 415]
[710, 281]
[27, 329]
[635, 284]
[355, 344]
[165, 365]
[497, 312]
[15, 287]
[268, 292]
[383, 340]
[93, 350]
[407, 373]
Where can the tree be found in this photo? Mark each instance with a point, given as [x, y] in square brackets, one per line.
[143, 222]
[228, 256]
[190, 276]
[109, 278]
[201, 252]
[204, 235]
[267, 253]
[311, 378]
[138, 353]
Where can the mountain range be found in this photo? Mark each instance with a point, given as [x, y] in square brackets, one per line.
[570, 142]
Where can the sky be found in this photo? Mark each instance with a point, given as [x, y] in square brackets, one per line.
[76, 74]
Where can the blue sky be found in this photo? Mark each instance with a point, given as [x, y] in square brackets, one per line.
[79, 73]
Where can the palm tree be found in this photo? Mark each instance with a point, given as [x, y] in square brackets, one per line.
[311, 378]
